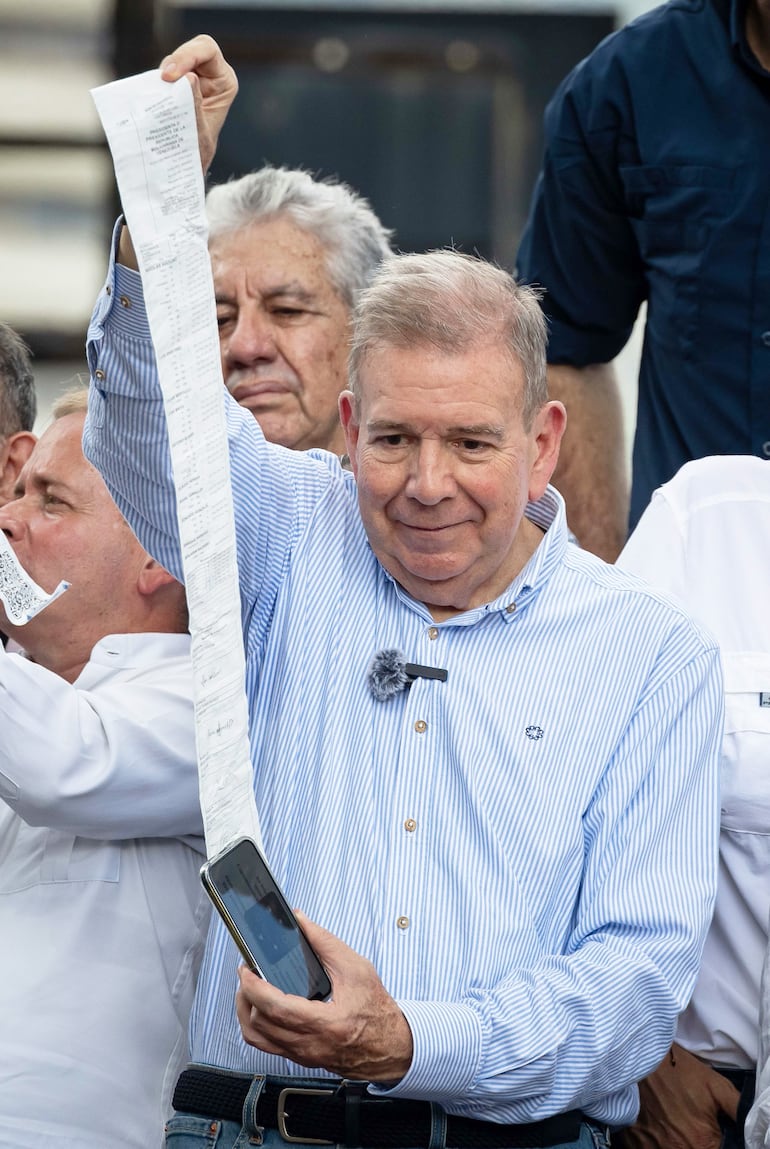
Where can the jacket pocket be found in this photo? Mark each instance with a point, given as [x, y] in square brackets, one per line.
[745, 764]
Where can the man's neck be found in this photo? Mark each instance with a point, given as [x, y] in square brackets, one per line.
[64, 662]
[758, 30]
[66, 668]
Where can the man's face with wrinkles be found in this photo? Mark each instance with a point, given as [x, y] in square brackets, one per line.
[283, 331]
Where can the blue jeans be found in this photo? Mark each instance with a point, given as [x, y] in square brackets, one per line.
[185, 1131]
[190, 1131]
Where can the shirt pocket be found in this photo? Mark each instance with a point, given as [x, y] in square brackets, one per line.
[745, 764]
[34, 856]
[673, 210]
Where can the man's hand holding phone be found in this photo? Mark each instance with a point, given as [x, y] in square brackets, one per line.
[360, 1033]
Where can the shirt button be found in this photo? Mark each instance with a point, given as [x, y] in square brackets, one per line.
[765, 337]
[98, 373]
[410, 825]
[420, 726]
[511, 607]
[108, 289]
[766, 449]
[402, 923]
[432, 632]
[125, 301]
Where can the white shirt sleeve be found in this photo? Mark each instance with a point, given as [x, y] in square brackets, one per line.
[656, 549]
[110, 756]
[757, 1128]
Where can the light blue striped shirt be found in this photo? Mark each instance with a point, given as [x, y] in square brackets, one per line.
[527, 851]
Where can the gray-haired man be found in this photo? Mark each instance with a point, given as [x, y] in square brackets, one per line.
[511, 924]
[290, 255]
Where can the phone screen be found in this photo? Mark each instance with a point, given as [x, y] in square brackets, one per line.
[261, 922]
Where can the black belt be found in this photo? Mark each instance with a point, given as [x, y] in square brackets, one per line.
[342, 1113]
[737, 1077]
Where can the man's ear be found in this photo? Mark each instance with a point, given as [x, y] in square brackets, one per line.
[14, 452]
[153, 577]
[348, 409]
[548, 428]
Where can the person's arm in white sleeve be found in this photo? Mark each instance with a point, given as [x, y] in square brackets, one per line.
[757, 1128]
[117, 761]
[656, 549]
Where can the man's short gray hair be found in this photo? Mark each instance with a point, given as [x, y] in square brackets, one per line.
[342, 221]
[452, 302]
[18, 404]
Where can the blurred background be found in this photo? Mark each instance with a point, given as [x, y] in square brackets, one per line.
[431, 108]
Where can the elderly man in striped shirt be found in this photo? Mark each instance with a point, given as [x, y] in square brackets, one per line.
[507, 869]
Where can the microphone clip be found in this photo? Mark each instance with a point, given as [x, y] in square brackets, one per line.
[414, 670]
[389, 674]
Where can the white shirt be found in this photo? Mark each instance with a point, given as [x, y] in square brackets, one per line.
[102, 916]
[706, 539]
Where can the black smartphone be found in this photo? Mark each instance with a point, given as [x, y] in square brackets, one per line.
[250, 902]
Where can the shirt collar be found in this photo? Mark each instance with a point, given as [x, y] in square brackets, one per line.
[138, 649]
[548, 513]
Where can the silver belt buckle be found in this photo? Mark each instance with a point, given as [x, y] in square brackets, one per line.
[281, 1115]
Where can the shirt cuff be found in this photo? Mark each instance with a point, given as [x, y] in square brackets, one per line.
[583, 348]
[120, 306]
[447, 1052]
[129, 315]
[123, 286]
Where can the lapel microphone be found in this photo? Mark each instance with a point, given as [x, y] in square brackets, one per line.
[389, 673]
